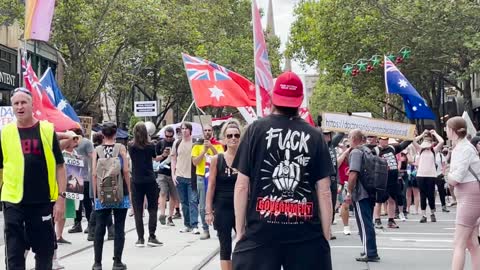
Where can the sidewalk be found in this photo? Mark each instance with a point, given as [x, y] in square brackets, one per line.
[180, 251]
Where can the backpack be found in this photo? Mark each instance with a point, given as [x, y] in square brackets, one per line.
[374, 175]
[109, 176]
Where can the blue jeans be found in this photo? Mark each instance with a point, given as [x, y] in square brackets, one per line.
[202, 194]
[189, 201]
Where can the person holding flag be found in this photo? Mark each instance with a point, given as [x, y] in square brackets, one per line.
[200, 154]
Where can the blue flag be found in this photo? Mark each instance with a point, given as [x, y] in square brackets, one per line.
[396, 83]
[50, 85]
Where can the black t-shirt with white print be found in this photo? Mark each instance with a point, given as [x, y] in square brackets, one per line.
[284, 158]
[35, 184]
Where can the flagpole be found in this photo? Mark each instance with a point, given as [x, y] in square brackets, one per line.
[191, 91]
[257, 87]
[188, 110]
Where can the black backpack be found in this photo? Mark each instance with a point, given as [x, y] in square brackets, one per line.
[374, 175]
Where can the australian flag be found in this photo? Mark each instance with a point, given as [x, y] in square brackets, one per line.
[50, 85]
[396, 83]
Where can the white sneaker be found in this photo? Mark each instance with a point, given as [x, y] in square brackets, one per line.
[185, 230]
[402, 217]
[196, 231]
[346, 230]
[56, 265]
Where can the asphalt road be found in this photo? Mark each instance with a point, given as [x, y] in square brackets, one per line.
[413, 246]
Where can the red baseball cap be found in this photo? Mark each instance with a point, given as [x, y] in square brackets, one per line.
[288, 91]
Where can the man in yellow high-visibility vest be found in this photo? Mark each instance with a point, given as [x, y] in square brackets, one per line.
[34, 183]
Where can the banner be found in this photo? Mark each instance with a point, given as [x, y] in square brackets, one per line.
[343, 123]
[6, 115]
[87, 124]
[75, 179]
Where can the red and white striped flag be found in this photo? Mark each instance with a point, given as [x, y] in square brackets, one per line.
[263, 71]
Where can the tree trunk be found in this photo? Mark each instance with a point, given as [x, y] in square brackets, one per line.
[467, 97]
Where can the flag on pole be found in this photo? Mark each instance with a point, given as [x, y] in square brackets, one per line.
[397, 83]
[38, 19]
[43, 109]
[213, 85]
[56, 97]
[263, 71]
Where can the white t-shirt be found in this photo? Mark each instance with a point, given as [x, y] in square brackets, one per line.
[464, 156]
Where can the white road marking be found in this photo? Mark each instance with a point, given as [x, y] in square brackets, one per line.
[398, 248]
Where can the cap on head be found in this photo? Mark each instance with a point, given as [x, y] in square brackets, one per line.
[383, 138]
[326, 131]
[288, 91]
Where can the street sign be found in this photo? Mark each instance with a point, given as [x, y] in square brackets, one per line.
[145, 108]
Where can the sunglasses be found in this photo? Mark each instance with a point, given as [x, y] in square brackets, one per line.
[237, 136]
[22, 90]
[167, 136]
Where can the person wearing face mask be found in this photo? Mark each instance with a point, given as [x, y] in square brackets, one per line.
[219, 203]
[426, 170]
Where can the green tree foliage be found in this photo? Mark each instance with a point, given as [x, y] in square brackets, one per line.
[443, 36]
[128, 48]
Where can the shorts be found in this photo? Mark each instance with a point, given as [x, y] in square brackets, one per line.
[393, 186]
[311, 254]
[167, 187]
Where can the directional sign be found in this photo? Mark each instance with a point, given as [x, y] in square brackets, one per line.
[145, 108]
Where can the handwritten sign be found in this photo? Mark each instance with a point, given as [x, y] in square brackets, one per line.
[344, 123]
[6, 115]
[87, 123]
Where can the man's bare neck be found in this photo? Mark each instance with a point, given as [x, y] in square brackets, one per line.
[26, 123]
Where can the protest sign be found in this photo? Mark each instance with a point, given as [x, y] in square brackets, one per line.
[343, 123]
[87, 123]
[75, 179]
[6, 115]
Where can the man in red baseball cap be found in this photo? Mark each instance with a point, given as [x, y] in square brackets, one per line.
[286, 165]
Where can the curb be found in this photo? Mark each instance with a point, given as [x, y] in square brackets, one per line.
[207, 259]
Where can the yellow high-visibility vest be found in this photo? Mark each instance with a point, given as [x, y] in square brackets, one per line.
[14, 162]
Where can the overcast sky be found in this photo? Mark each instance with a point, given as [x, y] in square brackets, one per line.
[283, 17]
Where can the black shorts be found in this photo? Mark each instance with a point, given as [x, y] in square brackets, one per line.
[393, 186]
[312, 254]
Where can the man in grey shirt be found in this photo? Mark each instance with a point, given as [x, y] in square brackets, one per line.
[84, 150]
[362, 202]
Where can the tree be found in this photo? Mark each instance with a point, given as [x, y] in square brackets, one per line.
[128, 48]
[443, 36]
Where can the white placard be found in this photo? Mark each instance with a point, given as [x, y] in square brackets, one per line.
[145, 108]
[6, 115]
[369, 126]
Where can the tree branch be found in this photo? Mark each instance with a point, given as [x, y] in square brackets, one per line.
[104, 77]
[458, 88]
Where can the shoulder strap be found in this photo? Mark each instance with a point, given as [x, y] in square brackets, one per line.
[177, 145]
[99, 151]
[220, 161]
[116, 149]
[473, 172]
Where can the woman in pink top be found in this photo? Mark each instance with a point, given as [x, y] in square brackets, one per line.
[426, 171]
[464, 176]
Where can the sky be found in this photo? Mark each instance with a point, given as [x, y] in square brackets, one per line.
[283, 18]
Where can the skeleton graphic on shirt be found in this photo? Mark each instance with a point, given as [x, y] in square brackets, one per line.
[287, 191]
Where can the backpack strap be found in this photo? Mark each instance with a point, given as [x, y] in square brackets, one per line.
[474, 174]
[116, 149]
[99, 151]
[177, 145]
